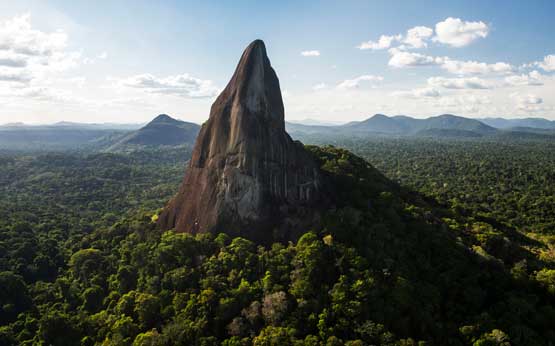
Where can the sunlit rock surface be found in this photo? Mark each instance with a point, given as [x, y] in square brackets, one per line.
[247, 176]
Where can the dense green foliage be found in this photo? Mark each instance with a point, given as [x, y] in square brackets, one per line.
[82, 263]
[511, 182]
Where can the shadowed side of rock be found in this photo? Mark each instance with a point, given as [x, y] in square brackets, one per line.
[247, 176]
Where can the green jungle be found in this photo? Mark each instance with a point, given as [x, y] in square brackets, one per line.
[436, 242]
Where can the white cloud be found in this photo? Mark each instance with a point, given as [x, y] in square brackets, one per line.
[28, 55]
[383, 42]
[532, 78]
[10, 59]
[13, 75]
[460, 83]
[458, 33]
[418, 93]
[452, 31]
[310, 53]
[529, 102]
[180, 85]
[102, 55]
[426, 92]
[356, 82]
[401, 59]
[417, 36]
[17, 35]
[529, 99]
[475, 67]
[320, 86]
[462, 103]
[548, 63]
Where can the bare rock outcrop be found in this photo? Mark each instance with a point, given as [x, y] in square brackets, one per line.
[247, 177]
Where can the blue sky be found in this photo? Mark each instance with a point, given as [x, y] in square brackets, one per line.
[126, 61]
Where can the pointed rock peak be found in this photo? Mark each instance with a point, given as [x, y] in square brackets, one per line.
[162, 117]
[255, 86]
[253, 63]
[256, 48]
[246, 175]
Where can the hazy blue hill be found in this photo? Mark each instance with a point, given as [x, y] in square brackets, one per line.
[56, 137]
[456, 123]
[536, 123]
[381, 124]
[162, 130]
[97, 126]
[309, 129]
[401, 125]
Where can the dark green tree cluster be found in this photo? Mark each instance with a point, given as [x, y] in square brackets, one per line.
[389, 267]
[512, 182]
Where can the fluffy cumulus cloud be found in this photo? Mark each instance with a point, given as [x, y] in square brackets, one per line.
[359, 81]
[532, 78]
[11, 59]
[467, 103]
[14, 76]
[310, 53]
[417, 36]
[528, 103]
[548, 63]
[453, 32]
[179, 85]
[17, 35]
[47, 94]
[419, 93]
[384, 42]
[458, 33]
[402, 59]
[460, 83]
[320, 86]
[474, 67]
[31, 59]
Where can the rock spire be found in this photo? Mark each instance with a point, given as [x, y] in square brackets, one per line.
[247, 177]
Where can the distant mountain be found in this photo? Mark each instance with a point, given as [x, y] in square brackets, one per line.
[64, 135]
[16, 124]
[97, 126]
[308, 129]
[380, 123]
[162, 130]
[55, 137]
[536, 123]
[453, 122]
[446, 125]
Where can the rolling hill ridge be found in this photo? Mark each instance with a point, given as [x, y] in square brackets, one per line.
[162, 130]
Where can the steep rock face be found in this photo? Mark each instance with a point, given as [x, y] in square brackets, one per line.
[247, 176]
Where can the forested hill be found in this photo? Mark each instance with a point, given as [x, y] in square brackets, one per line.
[162, 130]
[441, 126]
[389, 266]
[64, 136]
